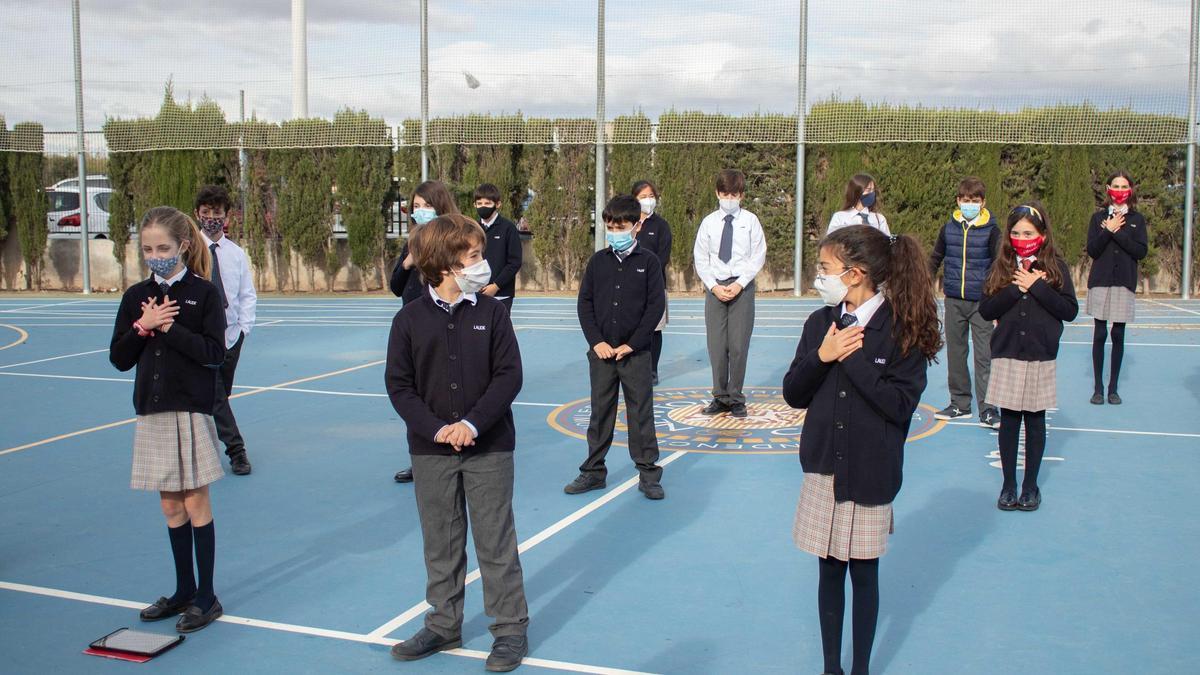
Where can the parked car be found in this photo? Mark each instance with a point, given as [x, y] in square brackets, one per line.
[62, 213]
[92, 181]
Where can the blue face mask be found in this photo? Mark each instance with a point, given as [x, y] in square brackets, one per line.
[163, 266]
[868, 200]
[620, 241]
[423, 215]
[970, 210]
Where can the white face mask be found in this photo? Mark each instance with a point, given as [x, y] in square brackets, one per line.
[473, 278]
[648, 205]
[831, 287]
[730, 205]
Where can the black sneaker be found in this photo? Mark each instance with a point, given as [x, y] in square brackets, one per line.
[989, 418]
[715, 408]
[404, 476]
[424, 643]
[651, 490]
[585, 482]
[738, 410]
[507, 652]
[952, 412]
[240, 464]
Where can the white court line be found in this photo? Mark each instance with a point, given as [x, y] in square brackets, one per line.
[1055, 427]
[18, 310]
[50, 376]
[1181, 309]
[419, 609]
[269, 323]
[309, 630]
[53, 358]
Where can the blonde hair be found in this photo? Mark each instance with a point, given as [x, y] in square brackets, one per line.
[181, 228]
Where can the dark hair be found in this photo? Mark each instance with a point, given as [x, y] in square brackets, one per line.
[971, 187]
[898, 264]
[438, 245]
[487, 191]
[436, 194]
[642, 185]
[182, 228]
[855, 187]
[1005, 264]
[731, 182]
[622, 209]
[1132, 188]
[213, 196]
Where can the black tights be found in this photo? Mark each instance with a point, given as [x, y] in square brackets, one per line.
[655, 350]
[1118, 353]
[831, 603]
[1035, 445]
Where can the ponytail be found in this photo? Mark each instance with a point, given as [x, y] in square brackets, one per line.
[182, 228]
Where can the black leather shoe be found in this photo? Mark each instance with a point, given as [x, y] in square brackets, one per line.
[1113, 398]
[1008, 499]
[715, 408]
[738, 410]
[424, 643]
[507, 652]
[651, 490]
[585, 482]
[163, 608]
[1097, 399]
[404, 476]
[1030, 500]
[239, 464]
[194, 618]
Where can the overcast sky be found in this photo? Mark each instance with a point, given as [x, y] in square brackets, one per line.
[539, 56]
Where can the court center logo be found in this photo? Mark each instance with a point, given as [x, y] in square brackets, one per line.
[770, 427]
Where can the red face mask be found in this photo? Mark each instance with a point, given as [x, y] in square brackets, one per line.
[1119, 197]
[1027, 247]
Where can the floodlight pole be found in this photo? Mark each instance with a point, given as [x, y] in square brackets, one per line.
[601, 146]
[81, 148]
[1189, 202]
[801, 105]
[424, 90]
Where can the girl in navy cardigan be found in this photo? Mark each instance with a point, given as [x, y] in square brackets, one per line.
[1116, 241]
[171, 327]
[1029, 294]
[860, 371]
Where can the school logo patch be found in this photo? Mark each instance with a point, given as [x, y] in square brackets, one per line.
[771, 427]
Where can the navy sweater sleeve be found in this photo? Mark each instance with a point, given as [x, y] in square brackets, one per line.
[992, 307]
[512, 259]
[807, 371]
[126, 346]
[586, 308]
[506, 377]
[655, 305]
[400, 379]
[1097, 236]
[400, 275]
[207, 347]
[1060, 302]
[893, 395]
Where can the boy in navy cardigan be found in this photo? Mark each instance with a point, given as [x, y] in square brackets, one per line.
[621, 300]
[453, 371]
[503, 249]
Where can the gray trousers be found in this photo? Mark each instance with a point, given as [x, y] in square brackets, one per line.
[633, 375]
[227, 428]
[448, 489]
[962, 316]
[729, 326]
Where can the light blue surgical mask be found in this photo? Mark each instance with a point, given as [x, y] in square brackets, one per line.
[620, 241]
[423, 215]
[970, 210]
[163, 266]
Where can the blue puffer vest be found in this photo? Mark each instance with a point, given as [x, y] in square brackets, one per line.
[968, 256]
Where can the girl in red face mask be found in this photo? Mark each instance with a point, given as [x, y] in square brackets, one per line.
[1116, 241]
[1029, 294]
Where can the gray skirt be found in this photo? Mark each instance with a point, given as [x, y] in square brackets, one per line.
[828, 528]
[1023, 385]
[175, 451]
[1111, 303]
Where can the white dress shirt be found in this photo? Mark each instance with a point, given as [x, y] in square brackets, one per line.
[239, 288]
[865, 311]
[749, 248]
[854, 217]
[172, 280]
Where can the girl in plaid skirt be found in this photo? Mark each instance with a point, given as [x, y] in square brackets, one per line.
[171, 327]
[1029, 294]
[859, 371]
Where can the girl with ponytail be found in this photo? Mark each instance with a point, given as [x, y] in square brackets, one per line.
[859, 371]
[171, 327]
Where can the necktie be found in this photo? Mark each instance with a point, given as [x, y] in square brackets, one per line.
[216, 275]
[165, 288]
[1026, 264]
[443, 304]
[866, 220]
[725, 253]
[847, 320]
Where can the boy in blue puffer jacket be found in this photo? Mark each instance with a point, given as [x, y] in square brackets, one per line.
[967, 244]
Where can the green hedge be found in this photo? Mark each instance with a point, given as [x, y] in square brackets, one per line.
[22, 202]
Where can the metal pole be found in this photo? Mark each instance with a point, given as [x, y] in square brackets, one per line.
[424, 90]
[242, 168]
[601, 147]
[299, 60]
[1189, 202]
[801, 104]
[85, 258]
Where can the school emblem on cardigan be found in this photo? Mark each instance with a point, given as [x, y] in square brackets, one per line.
[771, 426]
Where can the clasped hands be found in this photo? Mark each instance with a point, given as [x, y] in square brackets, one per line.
[158, 316]
[840, 343]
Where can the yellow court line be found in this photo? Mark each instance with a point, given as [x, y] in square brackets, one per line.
[131, 420]
[20, 331]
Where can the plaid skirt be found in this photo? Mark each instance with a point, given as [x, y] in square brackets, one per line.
[175, 451]
[1022, 385]
[1111, 303]
[828, 528]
